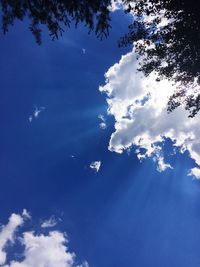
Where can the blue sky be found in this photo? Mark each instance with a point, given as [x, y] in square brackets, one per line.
[127, 213]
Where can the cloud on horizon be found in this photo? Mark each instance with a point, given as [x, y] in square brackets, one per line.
[139, 106]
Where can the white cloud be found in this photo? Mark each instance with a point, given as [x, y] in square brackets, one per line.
[95, 165]
[26, 214]
[102, 124]
[139, 106]
[30, 118]
[83, 50]
[39, 250]
[45, 250]
[7, 233]
[195, 172]
[115, 5]
[161, 165]
[51, 222]
[36, 113]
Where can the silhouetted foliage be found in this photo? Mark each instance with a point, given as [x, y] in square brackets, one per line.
[56, 15]
[171, 49]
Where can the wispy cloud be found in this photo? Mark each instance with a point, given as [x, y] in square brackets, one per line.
[36, 113]
[102, 124]
[51, 222]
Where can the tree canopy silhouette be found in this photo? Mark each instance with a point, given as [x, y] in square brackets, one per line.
[56, 15]
[165, 34]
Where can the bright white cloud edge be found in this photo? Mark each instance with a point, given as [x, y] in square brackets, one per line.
[139, 106]
[39, 250]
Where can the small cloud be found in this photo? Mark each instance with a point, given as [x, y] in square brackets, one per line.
[102, 124]
[51, 222]
[95, 165]
[101, 117]
[36, 113]
[84, 50]
[162, 165]
[30, 118]
[26, 214]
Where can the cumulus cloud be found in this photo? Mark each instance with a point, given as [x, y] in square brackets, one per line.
[95, 165]
[45, 250]
[139, 106]
[39, 250]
